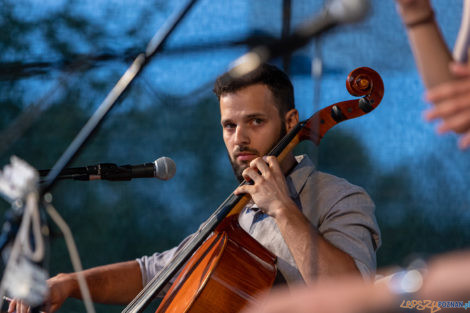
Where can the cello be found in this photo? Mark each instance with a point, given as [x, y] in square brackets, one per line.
[222, 268]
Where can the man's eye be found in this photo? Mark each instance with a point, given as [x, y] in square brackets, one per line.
[257, 121]
[229, 126]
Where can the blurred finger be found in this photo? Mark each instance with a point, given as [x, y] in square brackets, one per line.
[464, 141]
[459, 69]
[449, 107]
[447, 90]
[22, 308]
[458, 123]
[19, 307]
[12, 305]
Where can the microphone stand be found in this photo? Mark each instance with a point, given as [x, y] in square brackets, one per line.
[108, 171]
[154, 46]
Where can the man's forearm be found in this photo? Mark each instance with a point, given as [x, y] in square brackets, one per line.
[116, 283]
[315, 257]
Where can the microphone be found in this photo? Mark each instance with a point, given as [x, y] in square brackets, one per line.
[335, 13]
[163, 168]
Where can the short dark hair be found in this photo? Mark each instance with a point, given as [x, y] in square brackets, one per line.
[276, 80]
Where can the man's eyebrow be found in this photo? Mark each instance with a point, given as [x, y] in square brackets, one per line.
[254, 115]
[246, 117]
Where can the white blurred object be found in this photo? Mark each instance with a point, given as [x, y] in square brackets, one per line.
[17, 179]
[461, 47]
[27, 281]
[348, 11]
[23, 278]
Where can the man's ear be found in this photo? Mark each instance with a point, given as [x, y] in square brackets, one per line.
[291, 118]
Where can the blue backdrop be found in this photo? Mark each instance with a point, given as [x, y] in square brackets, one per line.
[419, 180]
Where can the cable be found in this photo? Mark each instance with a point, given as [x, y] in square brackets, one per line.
[34, 222]
[73, 252]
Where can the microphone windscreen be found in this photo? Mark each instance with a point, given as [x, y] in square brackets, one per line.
[348, 11]
[165, 168]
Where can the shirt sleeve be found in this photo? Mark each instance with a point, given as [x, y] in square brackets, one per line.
[346, 219]
[151, 265]
[351, 226]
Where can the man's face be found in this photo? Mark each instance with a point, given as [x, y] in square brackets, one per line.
[251, 125]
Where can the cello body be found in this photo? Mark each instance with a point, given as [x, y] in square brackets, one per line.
[225, 274]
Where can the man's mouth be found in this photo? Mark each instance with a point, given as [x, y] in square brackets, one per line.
[245, 156]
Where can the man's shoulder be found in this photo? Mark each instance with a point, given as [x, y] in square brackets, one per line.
[322, 180]
[327, 190]
[333, 183]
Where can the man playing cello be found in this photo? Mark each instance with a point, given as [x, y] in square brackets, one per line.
[317, 225]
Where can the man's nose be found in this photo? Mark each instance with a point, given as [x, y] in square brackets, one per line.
[241, 136]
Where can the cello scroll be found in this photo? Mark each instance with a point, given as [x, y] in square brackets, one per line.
[362, 82]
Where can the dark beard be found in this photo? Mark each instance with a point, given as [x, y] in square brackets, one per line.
[238, 170]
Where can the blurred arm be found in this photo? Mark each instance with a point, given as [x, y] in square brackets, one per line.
[430, 51]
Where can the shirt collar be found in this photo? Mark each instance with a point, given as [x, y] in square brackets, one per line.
[298, 177]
